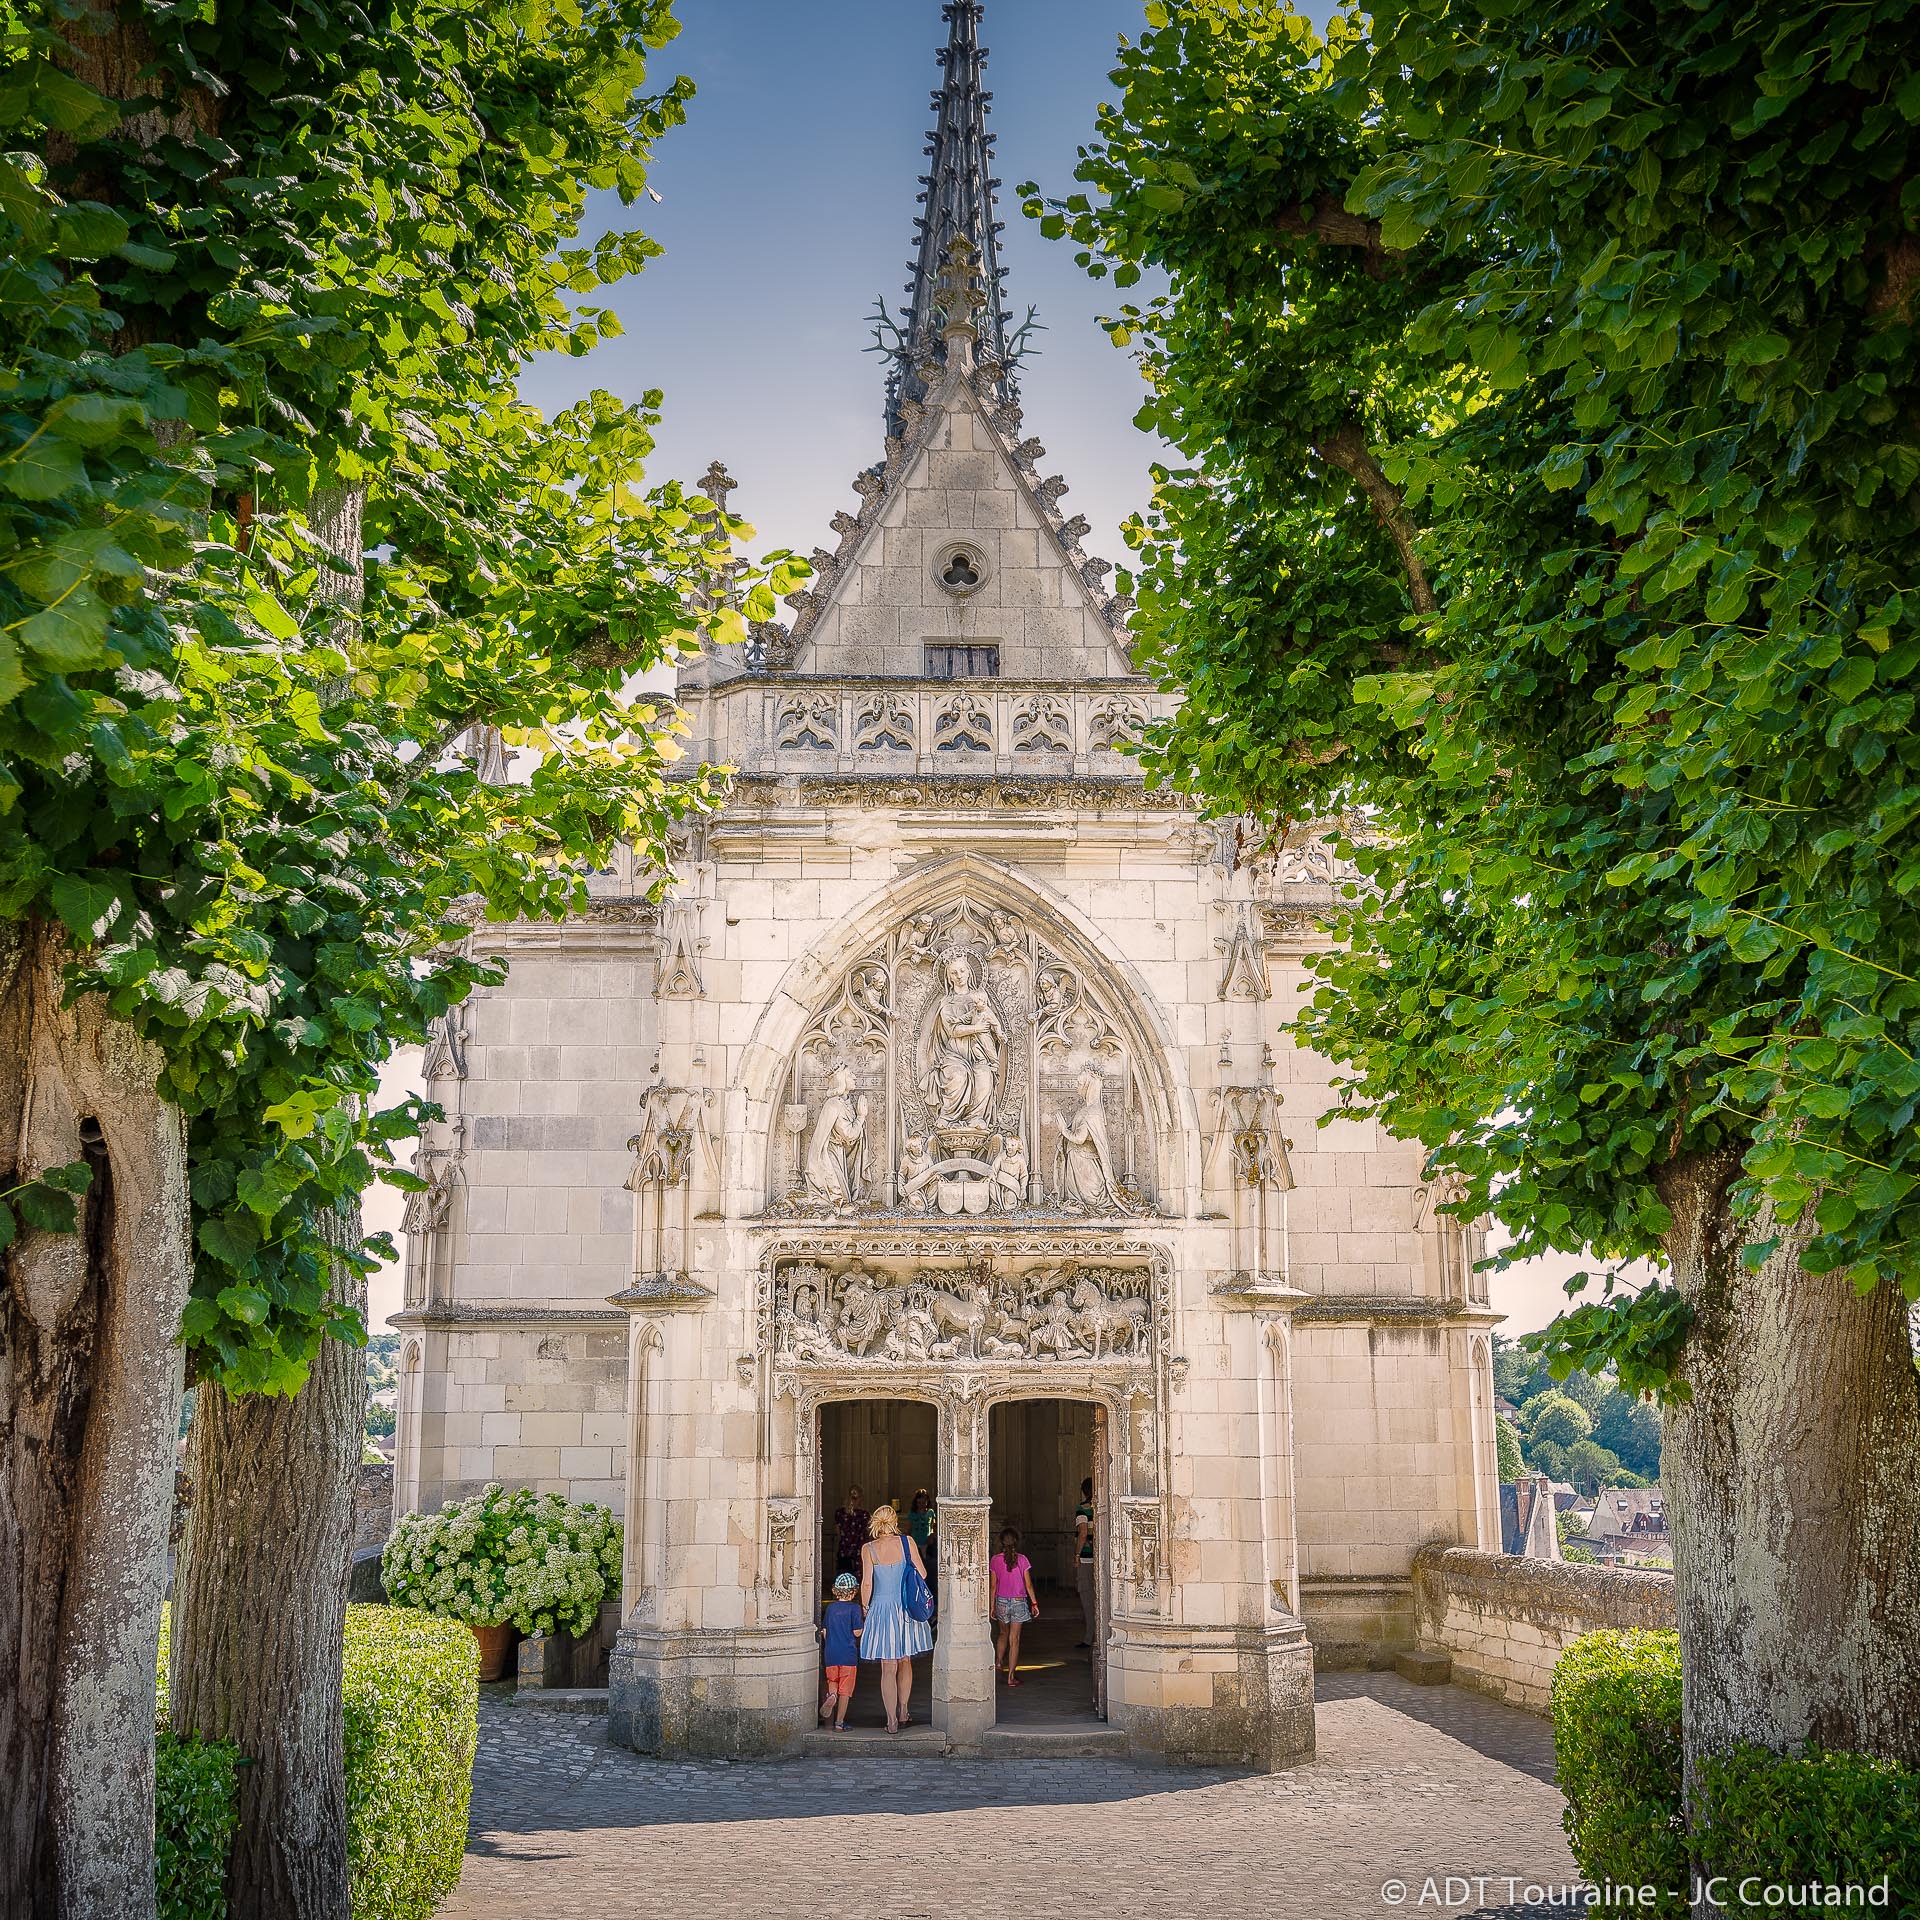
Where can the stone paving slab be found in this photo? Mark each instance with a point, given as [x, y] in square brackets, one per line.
[1409, 1782]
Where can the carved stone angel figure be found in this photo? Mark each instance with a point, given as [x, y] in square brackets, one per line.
[1083, 1161]
[1009, 1173]
[917, 1173]
[962, 1041]
[837, 1151]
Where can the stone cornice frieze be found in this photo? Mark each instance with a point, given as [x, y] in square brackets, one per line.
[1068, 793]
[1377, 1310]
[440, 1319]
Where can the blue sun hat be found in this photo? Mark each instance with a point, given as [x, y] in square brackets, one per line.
[846, 1585]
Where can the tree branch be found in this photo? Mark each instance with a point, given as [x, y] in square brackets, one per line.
[1346, 448]
[1330, 223]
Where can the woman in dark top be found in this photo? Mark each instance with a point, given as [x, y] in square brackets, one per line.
[850, 1531]
[922, 1523]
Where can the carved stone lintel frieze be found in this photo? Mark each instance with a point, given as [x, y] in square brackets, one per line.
[849, 1314]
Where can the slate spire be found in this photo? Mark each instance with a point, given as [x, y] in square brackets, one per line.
[956, 202]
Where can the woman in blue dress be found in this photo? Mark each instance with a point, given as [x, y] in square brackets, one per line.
[892, 1636]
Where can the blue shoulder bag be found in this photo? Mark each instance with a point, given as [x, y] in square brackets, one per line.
[914, 1596]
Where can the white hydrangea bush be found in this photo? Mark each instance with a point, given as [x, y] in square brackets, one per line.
[525, 1559]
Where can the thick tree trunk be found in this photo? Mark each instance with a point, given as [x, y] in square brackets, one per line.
[1792, 1494]
[259, 1616]
[90, 1382]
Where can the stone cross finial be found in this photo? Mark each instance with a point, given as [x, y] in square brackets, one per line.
[716, 483]
[958, 289]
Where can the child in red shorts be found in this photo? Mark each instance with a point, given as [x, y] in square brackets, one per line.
[840, 1623]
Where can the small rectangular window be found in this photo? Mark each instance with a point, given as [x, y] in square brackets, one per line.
[962, 663]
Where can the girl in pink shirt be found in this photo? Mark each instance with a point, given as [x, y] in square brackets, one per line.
[1014, 1603]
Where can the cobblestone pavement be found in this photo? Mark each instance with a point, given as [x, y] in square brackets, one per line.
[1409, 1782]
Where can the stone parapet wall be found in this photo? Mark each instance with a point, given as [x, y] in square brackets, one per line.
[372, 1504]
[1505, 1619]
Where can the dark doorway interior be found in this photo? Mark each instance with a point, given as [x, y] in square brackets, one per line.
[1039, 1452]
[886, 1448]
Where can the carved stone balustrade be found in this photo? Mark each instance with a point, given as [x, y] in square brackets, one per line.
[892, 727]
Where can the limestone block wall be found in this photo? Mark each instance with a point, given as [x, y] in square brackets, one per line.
[559, 1059]
[541, 1406]
[1505, 1619]
[1383, 1461]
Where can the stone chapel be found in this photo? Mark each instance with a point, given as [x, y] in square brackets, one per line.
[940, 1128]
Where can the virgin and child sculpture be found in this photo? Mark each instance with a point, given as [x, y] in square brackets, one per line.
[962, 1044]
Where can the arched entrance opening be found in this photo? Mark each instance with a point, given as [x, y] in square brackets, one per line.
[1045, 1472]
[874, 1452]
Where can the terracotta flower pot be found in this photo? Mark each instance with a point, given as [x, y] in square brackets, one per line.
[496, 1649]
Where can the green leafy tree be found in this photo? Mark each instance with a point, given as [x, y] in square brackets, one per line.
[1557, 1419]
[275, 541]
[1517, 1374]
[1630, 1428]
[1591, 1467]
[1545, 388]
[1507, 1450]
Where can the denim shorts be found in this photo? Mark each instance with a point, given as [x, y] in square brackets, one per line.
[1012, 1613]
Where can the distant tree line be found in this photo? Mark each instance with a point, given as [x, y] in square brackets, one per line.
[1582, 1430]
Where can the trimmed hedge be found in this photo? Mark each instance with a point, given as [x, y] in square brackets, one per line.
[412, 1697]
[1783, 1819]
[410, 1701]
[1616, 1733]
[1816, 1816]
[194, 1784]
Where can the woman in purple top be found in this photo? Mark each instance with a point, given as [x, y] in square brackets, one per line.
[1014, 1602]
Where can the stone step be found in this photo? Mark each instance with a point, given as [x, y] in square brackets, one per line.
[916, 1742]
[1425, 1667]
[562, 1699]
[1046, 1741]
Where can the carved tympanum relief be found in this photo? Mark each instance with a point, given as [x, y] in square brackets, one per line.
[964, 1067]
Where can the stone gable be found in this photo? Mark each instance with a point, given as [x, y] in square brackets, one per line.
[958, 492]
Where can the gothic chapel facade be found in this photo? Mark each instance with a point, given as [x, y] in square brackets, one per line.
[940, 1127]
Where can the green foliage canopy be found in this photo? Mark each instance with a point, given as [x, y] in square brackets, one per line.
[1555, 1420]
[229, 303]
[1546, 386]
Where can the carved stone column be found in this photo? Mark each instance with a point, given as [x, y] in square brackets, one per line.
[963, 1698]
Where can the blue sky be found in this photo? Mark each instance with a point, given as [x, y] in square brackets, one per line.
[787, 203]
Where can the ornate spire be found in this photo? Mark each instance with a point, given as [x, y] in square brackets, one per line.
[956, 202]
